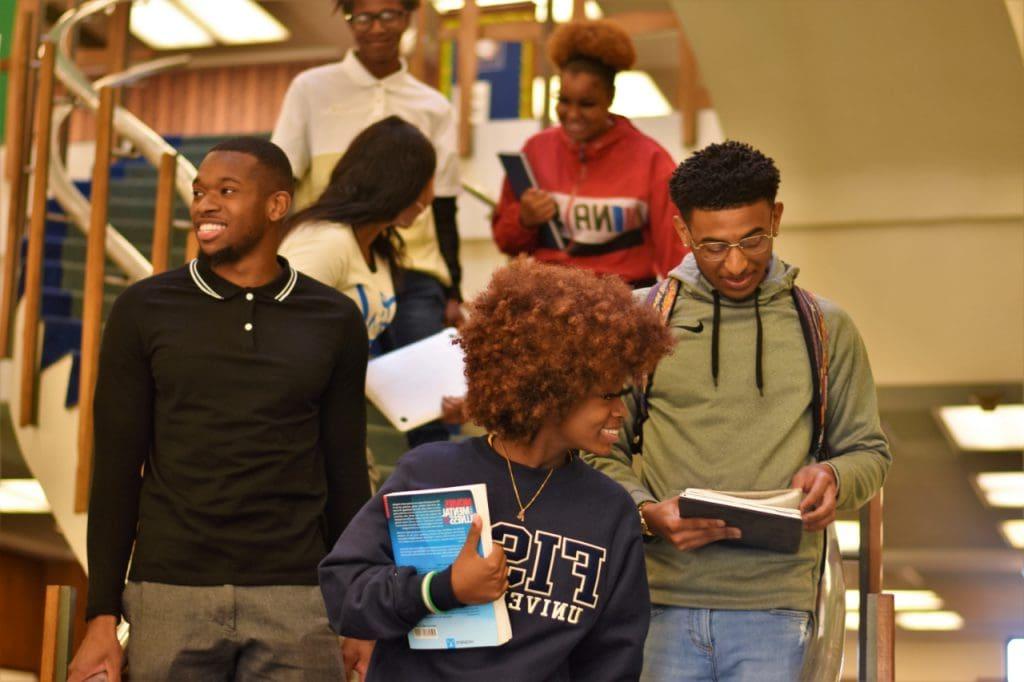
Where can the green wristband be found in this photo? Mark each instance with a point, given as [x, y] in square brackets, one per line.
[425, 592]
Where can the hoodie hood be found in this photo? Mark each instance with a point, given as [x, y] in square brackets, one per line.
[778, 282]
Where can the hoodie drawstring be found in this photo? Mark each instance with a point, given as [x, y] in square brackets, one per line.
[716, 320]
[716, 323]
[759, 374]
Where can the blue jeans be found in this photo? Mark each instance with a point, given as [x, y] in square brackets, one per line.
[421, 303]
[698, 645]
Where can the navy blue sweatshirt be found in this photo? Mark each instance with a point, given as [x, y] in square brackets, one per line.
[577, 599]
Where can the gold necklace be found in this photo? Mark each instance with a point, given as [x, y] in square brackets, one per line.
[522, 508]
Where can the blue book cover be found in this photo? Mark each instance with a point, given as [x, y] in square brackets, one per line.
[428, 529]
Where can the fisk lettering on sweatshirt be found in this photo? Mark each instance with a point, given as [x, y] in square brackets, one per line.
[596, 220]
[537, 561]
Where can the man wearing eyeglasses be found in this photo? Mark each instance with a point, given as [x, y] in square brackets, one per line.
[323, 111]
[731, 409]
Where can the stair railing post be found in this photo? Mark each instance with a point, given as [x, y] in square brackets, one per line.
[18, 95]
[872, 610]
[57, 633]
[92, 304]
[164, 213]
[469, 31]
[37, 237]
[191, 246]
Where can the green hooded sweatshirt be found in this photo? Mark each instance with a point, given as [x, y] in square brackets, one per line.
[722, 433]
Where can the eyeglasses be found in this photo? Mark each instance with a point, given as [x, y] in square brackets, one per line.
[753, 245]
[388, 18]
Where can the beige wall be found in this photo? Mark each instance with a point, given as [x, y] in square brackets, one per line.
[940, 657]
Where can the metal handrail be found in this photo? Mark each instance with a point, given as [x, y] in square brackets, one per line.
[147, 141]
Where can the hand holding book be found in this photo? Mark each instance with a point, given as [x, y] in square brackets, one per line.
[479, 579]
[685, 534]
[818, 508]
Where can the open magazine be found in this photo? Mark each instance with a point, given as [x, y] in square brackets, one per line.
[767, 519]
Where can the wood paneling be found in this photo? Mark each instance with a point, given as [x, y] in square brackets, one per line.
[216, 101]
[23, 582]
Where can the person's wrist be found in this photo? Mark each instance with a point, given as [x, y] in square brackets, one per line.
[103, 621]
[644, 528]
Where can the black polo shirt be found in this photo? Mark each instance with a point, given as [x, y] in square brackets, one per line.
[230, 432]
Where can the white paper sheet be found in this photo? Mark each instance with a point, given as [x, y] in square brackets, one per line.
[407, 384]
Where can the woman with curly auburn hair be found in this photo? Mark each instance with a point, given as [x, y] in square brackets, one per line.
[548, 350]
[603, 181]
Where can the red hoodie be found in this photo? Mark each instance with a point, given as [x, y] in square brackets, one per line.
[613, 200]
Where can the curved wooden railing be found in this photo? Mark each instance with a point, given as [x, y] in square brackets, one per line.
[50, 176]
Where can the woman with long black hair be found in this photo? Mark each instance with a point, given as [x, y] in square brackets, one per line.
[347, 238]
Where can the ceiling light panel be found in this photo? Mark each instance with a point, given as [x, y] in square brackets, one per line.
[22, 496]
[162, 25]
[848, 533]
[637, 96]
[904, 600]
[989, 430]
[1002, 488]
[934, 621]
[1013, 531]
[236, 22]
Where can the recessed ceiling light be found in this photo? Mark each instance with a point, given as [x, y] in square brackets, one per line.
[904, 600]
[848, 534]
[974, 428]
[22, 496]
[930, 620]
[1013, 531]
[236, 22]
[162, 25]
[1002, 488]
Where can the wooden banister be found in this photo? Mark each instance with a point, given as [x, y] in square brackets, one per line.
[191, 246]
[876, 621]
[17, 159]
[164, 213]
[469, 29]
[37, 237]
[57, 633]
[92, 304]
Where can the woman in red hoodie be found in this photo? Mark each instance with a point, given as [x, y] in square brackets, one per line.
[602, 181]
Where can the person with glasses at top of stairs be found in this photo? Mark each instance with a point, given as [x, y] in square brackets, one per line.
[769, 387]
[602, 181]
[323, 111]
[230, 432]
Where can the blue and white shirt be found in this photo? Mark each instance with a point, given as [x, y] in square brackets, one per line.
[329, 252]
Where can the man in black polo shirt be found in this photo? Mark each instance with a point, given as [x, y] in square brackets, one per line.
[230, 439]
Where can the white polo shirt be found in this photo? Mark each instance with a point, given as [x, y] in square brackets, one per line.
[329, 253]
[327, 106]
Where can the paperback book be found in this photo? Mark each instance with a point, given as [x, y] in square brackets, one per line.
[428, 529]
[767, 520]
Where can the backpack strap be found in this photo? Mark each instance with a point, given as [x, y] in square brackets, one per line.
[662, 297]
[812, 323]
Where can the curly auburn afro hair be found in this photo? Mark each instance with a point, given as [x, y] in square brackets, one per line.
[599, 40]
[542, 338]
[724, 175]
[598, 47]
